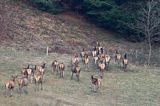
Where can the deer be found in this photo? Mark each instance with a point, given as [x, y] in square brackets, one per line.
[125, 61]
[41, 69]
[55, 66]
[75, 59]
[96, 81]
[10, 85]
[76, 70]
[101, 66]
[61, 69]
[82, 54]
[107, 61]
[38, 77]
[22, 82]
[95, 55]
[86, 61]
[30, 72]
[118, 58]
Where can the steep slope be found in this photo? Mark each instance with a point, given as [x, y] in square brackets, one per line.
[29, 28]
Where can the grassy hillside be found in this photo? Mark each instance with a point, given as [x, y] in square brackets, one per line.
[137, 87]
[29, 28]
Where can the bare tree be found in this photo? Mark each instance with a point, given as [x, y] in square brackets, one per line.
[148, 22]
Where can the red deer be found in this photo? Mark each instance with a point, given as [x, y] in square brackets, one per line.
[82, 54]
[125, 61]
[24, 71]
[30, 72]
[107, 60]
[96, 81]
[94, 54]
[9, 85]
[86, 61]
[22, 82]
[101, 66]
[55, 66]
[75, 60]
[61, 69]
[41, 69]
[38, 77]
[76, 70]
[118, 58]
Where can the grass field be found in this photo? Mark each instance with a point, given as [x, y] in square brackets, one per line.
[137, 87]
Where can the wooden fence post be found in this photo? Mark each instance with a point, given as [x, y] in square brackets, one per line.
[47, 51]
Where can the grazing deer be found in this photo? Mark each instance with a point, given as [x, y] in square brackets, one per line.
[96, 81]
[61, 69]
[76, 70]
[55, 66]
[38, 77]
[125, 61]
[22, 82]
[9, 85]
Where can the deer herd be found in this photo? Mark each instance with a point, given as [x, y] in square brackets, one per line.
[98, 55]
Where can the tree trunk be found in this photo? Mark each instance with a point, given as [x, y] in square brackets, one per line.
[150, 50]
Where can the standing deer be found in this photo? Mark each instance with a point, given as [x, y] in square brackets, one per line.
[118, 58]
[55, 66]
[107, 60]
[125, 61]
[22, 82]
[101, 66]
[61, 69]
[76, 70]
[9, 85]
[96, 81]
[38, 77]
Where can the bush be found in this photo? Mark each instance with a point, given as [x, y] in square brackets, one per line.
[50, 6]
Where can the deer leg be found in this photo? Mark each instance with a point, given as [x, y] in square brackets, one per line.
[19, 89]
[35, 87]
[72, 76]
[57, 71]
[11, 91]
[5, 91]
[87, 66]
[52, 70]
[78, 77]
[41, 86]
[63, 74]
[94, 88]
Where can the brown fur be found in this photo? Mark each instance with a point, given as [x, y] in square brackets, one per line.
[9, 85]
[101, 66]
[61, 69]
[55, 66]
[22, 82]
[38, 77]
[76, 70]
[96, 82]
